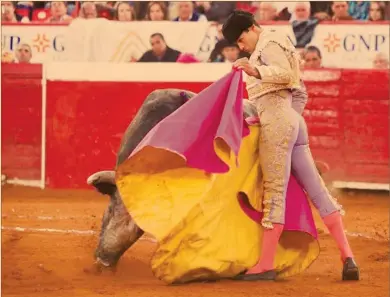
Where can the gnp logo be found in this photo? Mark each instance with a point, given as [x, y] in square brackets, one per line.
[355, 42]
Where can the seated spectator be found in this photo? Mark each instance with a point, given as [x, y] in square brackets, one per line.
[376, 12]
[23, 53]
[381, 61]
[358, 9]
[272, 11]
[215, 10]
[160, 52]
[340, 11]
[267, 11]
[58, 10]
[312, 57]
[321, 10]
[88, 11]
[225, 52]
[141, 7]
[303, 26]
[70, 6]
[230, 52]
[300, 11]
[187, 13]
[156, 11]
[9, 15]
[124, 12]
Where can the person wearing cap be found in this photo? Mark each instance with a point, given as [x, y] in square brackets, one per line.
[225, 52]
[273, 72]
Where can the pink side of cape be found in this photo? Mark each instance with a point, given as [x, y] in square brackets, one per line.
[217, 112]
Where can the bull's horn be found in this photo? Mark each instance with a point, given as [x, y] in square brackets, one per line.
[102, 177]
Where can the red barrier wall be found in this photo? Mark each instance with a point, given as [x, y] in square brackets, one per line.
[347, 116]
[86, 121]
[21, 116]
[348, 120]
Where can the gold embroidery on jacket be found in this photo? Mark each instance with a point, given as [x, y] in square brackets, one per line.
[274, 141]
[274, 80]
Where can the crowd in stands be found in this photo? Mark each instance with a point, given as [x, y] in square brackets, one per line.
[303, 16]
[65, 11]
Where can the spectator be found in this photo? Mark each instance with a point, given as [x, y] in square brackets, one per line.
[187, 13]
[376, 12]
[215, 10]
[312, 57]
[302, 25]
[88, 11]
[58, 14]
[340, 11]
[272, 11]
[301, 11]
[70, 6]
[160, 52]
[156, 11]
[9, 15]
[321, 9]
[381, 61]
[23, 53]
[359, 9]
[267, 11]
[141, 7]
[124, 12]
[230, 52]
[217, 54]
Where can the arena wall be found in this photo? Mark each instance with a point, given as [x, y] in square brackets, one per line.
[86, 108]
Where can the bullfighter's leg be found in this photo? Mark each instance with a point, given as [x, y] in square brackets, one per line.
[279, 131]
[330, 211]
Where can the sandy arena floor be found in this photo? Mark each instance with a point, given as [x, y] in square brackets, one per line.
[38, 263]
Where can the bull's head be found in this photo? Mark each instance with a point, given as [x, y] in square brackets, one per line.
[119, 231]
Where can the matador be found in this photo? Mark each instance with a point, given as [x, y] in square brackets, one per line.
[273, 71]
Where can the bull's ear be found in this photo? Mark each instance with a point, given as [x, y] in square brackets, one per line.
[103, 181]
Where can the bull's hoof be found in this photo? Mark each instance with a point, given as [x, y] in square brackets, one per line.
[99, 267]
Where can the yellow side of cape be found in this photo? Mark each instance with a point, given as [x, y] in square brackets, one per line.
[201, 230]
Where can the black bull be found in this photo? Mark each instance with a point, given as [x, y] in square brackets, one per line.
[119, 231]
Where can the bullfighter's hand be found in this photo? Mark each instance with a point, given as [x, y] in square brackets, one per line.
[244, 65]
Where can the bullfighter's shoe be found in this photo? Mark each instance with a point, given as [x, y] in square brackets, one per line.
[269, 275]
[350, 270]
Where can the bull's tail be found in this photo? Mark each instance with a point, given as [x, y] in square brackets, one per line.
[104, 182]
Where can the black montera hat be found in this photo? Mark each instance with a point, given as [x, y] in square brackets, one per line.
[236, 23]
